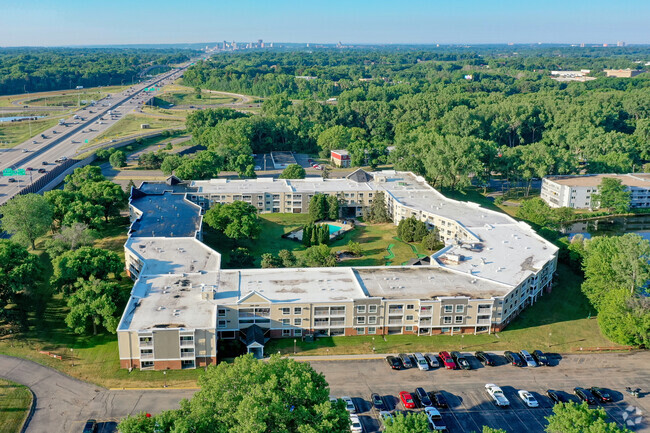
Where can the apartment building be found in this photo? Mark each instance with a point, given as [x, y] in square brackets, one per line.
[340, 158]
[183, 302]
[577, 191]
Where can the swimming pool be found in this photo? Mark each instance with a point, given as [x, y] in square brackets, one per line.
[333, 229]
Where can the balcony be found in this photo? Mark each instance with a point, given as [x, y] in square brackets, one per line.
[187, 355]
[484, 310]
[146, 344]
[395, 321]
[483, 322]
[426, 322]
[321, 312]
[187, 343]
[337, 322]
[146, 356]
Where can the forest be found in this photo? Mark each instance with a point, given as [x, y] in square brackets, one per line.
[44, 69]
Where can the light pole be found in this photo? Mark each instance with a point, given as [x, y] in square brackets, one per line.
[71, 349]
[549, 339]
[165, 376]
[294, 346]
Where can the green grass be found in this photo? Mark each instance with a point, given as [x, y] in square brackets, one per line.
[69, 99]
[14, 133]
[130, 125]
[558, 322]
[15, 401]
[188, 97]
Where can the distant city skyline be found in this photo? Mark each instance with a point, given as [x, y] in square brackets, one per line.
[47, 23]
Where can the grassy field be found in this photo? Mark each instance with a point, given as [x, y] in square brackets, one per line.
[130, 125]
[14, 133]
[58, 97]
[15, 401]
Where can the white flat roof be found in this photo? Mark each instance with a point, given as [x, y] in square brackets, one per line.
[175, 255]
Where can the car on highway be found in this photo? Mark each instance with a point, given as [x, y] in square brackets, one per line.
[28, 169]
[406, 360]
[540, 357]
[44, 163]
[555, 396]
[421, 362]
[528, 398]
[432, 360]
[25, 150]
[528, 359]
[407, 400]
[497, 395]
[584, 395]
[34, 142]
[355, 424]
[422, 395]
[394, 362]
[11, 180]
[438, 399]
[377, 401]
[601, 394]
[485, 358]
[447, 360]
[460, 360]
[349, 404]
[513, 358]
[42, 170]
[90, 426]
[434, 418]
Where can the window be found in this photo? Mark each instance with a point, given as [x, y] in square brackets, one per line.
[425, 309]
[187, 338]
[458, 319]
[146, 341]
[286, 332]
[297, 332]
[372, 320]
[221, 324]
[146, 364]
[460, 308]
[361, 309]
[297, 321]
[372, 309]
[361, 320]
[446, 320]
[408, 328]
[285, 310]
[297, 310]
[286, 322]
[444, 330]
[222, 312]
[410, 306]
[361, 331]
[372, 330]
[456, 328]
[409, 317]
[449, 308]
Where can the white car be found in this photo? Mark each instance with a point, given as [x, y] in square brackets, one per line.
[497, 395]
[528, 398]
[355, 426]
[435, 419]
[349, 404]
[384, 415]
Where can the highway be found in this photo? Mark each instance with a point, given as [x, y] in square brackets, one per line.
[65, 141]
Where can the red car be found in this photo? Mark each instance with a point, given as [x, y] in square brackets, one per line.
[407, 400]
[447, 360]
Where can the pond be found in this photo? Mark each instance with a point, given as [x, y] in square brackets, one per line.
[612, 226]
[19, 118]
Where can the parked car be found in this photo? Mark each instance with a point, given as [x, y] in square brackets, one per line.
[407, 400]
[422, 395]
[435, 419]
[377, 402]
[406, 360]
[540, 357]
[584, 395]
[528, 359]
[432, 359]
[394, 362]
[447, 360]
[349, 404]
[460, 360]
[601, 394]
[90, 426]
[485, 358]
[555, 396]
[385, 415]
[514, 358]
[355, 424]
[497, 395]
[421, 362]
[438, 399]
[527, 398]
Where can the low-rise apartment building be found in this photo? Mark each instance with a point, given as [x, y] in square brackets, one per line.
[576, 191]
[183, 302]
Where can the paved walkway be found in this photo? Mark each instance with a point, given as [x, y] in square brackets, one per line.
[64, 403]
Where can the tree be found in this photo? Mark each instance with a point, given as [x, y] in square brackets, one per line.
[171, 163]
[240, 258]
[578, 418]
[84, 263]
[27, 217]
[271, 261]
[411, 423]
[536, 211]
[197, 92]
[61, 200]
[318, 207]
[411, 229]
[18, 269]
[95, 302]
[320, 256]
[70, 238]
[117, 159]
[293, 171]
[612, 195]
[332, 207]
[81, 175]
[325, 174]
[110, 196]
[281, 395]
[205, 165]
[487, 429]
[355, 248]
[378, 212]
[237, 220]
[288, 258]
[151, 160]
[432, 241]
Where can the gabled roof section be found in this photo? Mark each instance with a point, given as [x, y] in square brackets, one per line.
[360, 176]
[254, 336]
[172, 180]
[250, 295]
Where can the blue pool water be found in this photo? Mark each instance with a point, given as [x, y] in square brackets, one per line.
[333, 229]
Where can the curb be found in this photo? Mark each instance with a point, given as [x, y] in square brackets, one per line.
[29, 416]
[169, 388]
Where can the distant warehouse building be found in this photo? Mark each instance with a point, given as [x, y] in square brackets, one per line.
[340, 158]
[623, 73]
[577, 191]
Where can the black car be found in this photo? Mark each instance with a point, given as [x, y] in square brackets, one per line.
[540, 357]
[584, 395]
[514, 358]
[438, 399]
[44, 163]
[406, 360]
[42, 170]
[377, 402]
[460, 360]
[555, 396]
[485, 358]
[422, 395]
[394, 362]
[11, 180]
[90, 426]
[601, 394]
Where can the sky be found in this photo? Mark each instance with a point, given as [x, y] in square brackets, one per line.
[108, 22]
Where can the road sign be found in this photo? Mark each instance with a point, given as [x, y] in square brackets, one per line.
[12, 172]
[86, 141]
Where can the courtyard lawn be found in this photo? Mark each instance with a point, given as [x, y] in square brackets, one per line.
[15, 401]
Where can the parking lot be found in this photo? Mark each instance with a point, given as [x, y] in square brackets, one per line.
[470, 407]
